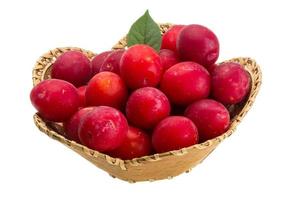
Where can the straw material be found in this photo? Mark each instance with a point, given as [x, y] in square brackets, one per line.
[157, 166]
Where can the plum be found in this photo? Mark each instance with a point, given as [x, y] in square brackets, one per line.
[71, 126]
[210, 117]
[136, 144]
[146, 107]
[168, 58]
[97, 61]
[112, 61]
[140, 66]
[230, 83]
[199, 44]
[170, 37]
[185, 83]
[174, 133]
[56, 100]
[72, 66]
[106, 88]
[103, 129]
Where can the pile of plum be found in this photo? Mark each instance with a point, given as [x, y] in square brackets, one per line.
[134, 102]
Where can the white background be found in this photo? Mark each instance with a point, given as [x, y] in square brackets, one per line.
[248, 165]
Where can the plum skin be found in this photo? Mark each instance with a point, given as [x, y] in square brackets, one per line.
[230, 83]
[211, 68]
[185, 83]
[146, 107]
[56, 100]
[106, 88]
[174, 133]
[210, 117]
[72, 66]
[98, 60]
[199, 44]
[140, 66]
[72, 125]
[168, 58]
[103, 129]
[136, 144]
[169, 38]
[112, 62]
[81, 92]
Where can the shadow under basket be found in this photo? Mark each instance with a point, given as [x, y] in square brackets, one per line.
[153, 167]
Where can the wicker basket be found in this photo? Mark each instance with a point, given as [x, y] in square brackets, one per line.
[157, 166]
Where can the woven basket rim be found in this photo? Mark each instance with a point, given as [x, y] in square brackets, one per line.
[42, 125]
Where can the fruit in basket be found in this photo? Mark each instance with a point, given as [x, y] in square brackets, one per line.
[112, 61]
[72, 66]
[169, 38]
[168, 58]
[199, 44]
[71, 126]
[97, 61]
[210, 117]
[136, 144]
[230, 83]
[106, 88]
[185, 83]
[173, 133]
[56, 100]
[146, 107]
[103, 129]
[140, 66]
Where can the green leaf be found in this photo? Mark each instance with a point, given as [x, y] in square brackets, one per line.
[145, 31]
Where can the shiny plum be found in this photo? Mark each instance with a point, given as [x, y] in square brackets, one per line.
[168, 58]
[107, 89]
[198, 44]
[72, 66]
[56, 100]
[211, 118]
[174, 133]
[185, 83]
[146, 107]
[170, 37]
[71, 126]
[112, 61]
[103, 129]
[230, 83]
[136, 144]
[140, 66]
[97, 61]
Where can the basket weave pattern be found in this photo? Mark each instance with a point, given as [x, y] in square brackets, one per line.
[153, 167]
